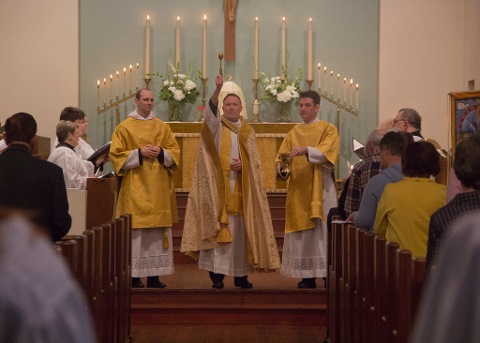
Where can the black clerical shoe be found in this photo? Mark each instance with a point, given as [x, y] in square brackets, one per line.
[307, 283]
[242, 282]
[217, 280]
[154, 282]
[217, 284]
[137, 283]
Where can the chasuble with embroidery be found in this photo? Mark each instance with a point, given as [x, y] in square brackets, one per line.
[213, 198]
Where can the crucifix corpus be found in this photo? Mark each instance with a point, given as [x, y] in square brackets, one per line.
[229, 8]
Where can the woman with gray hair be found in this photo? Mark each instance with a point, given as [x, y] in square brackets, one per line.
[75, 169]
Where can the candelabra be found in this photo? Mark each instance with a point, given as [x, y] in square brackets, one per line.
[115, 102]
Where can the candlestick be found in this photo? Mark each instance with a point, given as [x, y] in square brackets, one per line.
[98, 94]
[124, 81]
[351, 91]
[309, 66]
[319, 76]
[177, 44]
[104, 92]
[111, 86]
[345, 91]
[338, 86]
[356, 97]
[204, 47]
[325, 78]
[204, 90]
[147, 46]
[255, 51]
[284, 45]
[130, 83]
[136, 76]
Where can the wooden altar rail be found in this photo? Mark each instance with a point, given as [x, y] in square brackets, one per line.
[373, 287]
[100, 260]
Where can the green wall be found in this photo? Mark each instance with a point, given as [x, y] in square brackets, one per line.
[345, 39]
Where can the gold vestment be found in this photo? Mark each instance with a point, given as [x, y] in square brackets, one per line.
[147, 192]
[305, 186]
[210, 200]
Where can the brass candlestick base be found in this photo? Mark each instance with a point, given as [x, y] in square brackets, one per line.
[310, 83]
[256, 103]
[204, 90]
[147, 82]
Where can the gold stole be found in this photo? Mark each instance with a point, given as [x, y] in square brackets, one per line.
[233, 200]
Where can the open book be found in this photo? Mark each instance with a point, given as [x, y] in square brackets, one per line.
[358, 149]
[104, 149]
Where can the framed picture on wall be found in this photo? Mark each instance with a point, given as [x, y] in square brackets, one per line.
[465, 115]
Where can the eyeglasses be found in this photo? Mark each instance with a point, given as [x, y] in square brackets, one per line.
[395, 121]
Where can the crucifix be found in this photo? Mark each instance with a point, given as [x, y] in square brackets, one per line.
[229, 8]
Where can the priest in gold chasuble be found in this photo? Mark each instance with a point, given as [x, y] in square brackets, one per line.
[313, 148]
[228, 226]
[144, 153]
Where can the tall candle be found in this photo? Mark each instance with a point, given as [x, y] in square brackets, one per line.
[111, 86]
[309, 67]
[130, 85]
[325, 78]
[345, 91]
[117, 81]
[136, 75]
[319, 76]
[204, 47]
[331, 83]
[255, 51]
[338, 86]
[284, 45]
[124, 81]
[177, 44]
[351, 91]
[104, 91]
[147, 46]
[98, 93]
[356, 97]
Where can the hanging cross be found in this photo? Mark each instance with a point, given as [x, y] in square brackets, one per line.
[229, 8]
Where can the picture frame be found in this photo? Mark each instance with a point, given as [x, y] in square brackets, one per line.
[465, 115]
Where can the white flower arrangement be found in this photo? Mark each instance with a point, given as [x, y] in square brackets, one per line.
[177, 86]
[277, 89]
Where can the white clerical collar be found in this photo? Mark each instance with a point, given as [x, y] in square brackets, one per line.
[312, 122]
[135, 115]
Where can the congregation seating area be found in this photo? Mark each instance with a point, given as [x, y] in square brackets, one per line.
[100, 260]
[373, 287]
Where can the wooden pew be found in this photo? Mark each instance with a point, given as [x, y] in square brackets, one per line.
[374, 287]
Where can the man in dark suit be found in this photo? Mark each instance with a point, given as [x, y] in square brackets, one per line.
[29, 183]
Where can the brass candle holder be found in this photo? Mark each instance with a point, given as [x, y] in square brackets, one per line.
[204, 90]
[147, 82]
[309, 83]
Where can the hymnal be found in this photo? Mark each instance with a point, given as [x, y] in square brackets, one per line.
[104, 149]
